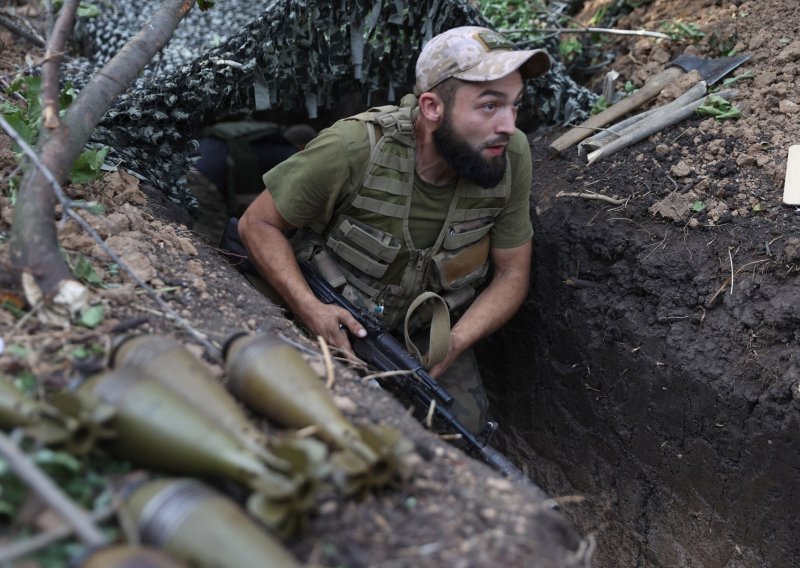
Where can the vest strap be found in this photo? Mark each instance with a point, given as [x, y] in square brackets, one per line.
[380, 207]
[439, 338]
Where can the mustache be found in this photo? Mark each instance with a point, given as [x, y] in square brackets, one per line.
[500, 139]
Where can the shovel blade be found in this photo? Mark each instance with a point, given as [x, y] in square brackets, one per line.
[711, 70]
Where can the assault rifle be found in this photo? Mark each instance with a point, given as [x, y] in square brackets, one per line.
[380, 349]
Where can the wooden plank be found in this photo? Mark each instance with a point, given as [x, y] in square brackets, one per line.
[791, 187]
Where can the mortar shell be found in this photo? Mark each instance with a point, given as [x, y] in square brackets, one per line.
[156, 428]
[195, 523]
[127, 556]
[271, 377]
[175, 367]
[16, 409]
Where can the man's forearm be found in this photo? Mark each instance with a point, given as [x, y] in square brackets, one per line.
[499, 301]
[271, 253]
[490, 311]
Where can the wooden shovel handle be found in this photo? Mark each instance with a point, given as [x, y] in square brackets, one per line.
[650, 90]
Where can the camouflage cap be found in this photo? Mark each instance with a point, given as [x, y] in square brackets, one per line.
[472, 53]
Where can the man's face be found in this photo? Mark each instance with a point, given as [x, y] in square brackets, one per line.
[476, 128]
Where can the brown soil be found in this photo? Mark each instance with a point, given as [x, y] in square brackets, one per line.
[637, 376]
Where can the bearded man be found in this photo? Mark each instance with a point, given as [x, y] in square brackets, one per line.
[404, 200]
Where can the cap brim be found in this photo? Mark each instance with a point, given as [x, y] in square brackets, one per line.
[530, 63]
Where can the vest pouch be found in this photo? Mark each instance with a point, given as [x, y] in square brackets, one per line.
[462, 234]
[373, 241]
[324, 264]
[456, 269]
[366, 248]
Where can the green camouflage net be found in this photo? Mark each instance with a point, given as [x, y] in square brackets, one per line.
[297, 60]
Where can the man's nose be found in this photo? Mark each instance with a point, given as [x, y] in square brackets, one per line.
[507, 121]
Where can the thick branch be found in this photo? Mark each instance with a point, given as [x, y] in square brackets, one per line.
[34, 245]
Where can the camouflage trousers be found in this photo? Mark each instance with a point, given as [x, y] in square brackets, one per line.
[463, 381]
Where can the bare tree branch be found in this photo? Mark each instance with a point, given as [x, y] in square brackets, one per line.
[36, 479]
[34, 244]
[10, 22]
[52, 61]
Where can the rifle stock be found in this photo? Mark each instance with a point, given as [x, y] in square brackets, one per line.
[380, 349]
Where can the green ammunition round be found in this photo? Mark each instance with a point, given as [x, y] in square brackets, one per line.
[126, 556]
[198, 525]
[175, 367]
[272, 378]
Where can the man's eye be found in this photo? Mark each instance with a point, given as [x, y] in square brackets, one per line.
[517, 104]
[489, 106]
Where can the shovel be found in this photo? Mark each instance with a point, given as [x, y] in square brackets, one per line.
[711, 71]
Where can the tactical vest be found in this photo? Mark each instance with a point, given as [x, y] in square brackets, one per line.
[369, 236]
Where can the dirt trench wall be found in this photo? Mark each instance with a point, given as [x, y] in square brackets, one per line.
[678, 423]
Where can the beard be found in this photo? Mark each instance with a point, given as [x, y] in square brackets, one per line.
[465, 159]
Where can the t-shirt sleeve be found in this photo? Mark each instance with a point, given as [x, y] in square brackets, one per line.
[513, 226]
[308, 186]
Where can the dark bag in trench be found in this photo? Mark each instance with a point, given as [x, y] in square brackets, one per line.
[233, 250]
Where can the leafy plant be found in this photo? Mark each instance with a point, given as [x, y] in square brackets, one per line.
[600, 105]
[681, 31]
[511, 14]
[26, 120]
[92, 316]
[698, 206]
[719, 108]
[84, 270]
[741, 76]
[570, 48]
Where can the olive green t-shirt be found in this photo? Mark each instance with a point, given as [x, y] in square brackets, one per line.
[309, 186]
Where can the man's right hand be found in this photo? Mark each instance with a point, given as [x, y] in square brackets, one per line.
[263, 231]
[332, 323]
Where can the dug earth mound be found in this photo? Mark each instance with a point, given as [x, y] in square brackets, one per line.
[653, 368]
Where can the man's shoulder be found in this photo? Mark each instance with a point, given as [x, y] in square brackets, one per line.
[518, 145]
[352, 133]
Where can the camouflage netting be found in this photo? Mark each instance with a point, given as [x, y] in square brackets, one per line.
[285, 57]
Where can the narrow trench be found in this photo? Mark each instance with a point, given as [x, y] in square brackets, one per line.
[664, 464]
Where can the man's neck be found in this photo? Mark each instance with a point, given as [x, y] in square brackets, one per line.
[429, 164]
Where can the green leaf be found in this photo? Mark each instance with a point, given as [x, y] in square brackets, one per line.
[86, 10]
[84, 270]
[26, 382]
[599, 106]
[88, 166]
[719, 108]
[92, 316]
[58, 460]
[758, 207]
[731, 80]
[13, 188]
[80, 353]
[16, 350]
[570, 47]
[698, 206]
[10, 307]
[67, 96]
[18, 120]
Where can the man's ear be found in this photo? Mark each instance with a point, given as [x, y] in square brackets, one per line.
[431, 106]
